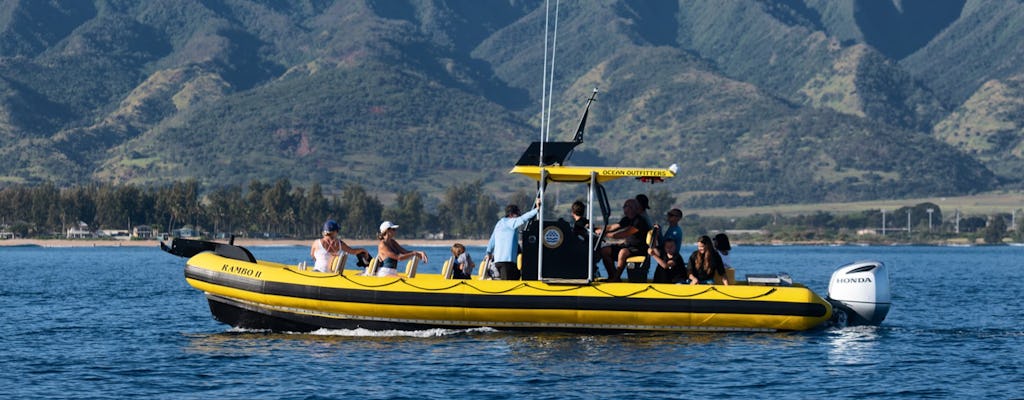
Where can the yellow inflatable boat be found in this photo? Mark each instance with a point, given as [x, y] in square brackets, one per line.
[253, 294]
[558, 290]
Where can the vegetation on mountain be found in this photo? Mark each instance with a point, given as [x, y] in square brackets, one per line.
[981, 45]
[758, 101]
[990, 126]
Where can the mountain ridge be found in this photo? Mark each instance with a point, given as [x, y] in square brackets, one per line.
[759, 101]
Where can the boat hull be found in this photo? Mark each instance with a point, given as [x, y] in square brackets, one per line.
[264, 295]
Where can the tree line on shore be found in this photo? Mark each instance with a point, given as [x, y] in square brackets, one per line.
[467, 211]
[262, 209]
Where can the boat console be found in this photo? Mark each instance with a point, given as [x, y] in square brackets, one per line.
[565, 254]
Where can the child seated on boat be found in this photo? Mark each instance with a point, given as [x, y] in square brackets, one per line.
[671, 267]
[389, 252]
[462, 263]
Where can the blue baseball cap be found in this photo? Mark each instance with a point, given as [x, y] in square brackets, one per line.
[331, 226]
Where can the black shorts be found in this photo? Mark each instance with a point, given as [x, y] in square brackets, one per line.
[508, 271]
[633, 250]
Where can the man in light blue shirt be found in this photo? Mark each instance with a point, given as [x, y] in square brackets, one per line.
[503, 247]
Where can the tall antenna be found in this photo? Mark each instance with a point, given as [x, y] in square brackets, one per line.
[551, 81]
[545, 124]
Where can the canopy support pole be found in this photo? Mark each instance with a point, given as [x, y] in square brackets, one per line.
[590, 217]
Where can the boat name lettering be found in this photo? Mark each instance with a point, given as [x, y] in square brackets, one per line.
[234, 269]
[633, 172]
[853, 280]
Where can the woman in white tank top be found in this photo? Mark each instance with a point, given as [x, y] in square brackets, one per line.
[324, 250]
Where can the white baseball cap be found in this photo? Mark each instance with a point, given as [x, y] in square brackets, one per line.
[384, 226]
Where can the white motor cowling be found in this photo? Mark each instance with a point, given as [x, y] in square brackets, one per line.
[861, 291]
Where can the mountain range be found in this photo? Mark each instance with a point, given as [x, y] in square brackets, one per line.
[757, 101]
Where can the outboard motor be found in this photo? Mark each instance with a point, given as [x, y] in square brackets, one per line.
[860, 293]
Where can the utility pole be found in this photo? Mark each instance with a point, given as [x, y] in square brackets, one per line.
[908, 222]
[958, 220]
[883, 222]
[930, 211]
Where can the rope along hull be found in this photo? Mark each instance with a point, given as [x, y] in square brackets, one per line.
[277, 297]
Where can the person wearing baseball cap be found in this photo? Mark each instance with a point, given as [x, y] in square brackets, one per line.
[327, 248]
[503, 247]
[673, 231]
[389, 252]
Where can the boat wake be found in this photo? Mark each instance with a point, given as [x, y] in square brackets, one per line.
[426, 333]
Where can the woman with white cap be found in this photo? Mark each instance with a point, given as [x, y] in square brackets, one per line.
[330, 246]
[389, 252]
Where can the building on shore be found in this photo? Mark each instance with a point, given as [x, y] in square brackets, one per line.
[80, 231]
[142, 232]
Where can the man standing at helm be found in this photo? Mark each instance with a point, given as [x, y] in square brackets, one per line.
[503, 247]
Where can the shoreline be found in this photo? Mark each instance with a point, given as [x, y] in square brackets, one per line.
[366, 243]
[238, 241]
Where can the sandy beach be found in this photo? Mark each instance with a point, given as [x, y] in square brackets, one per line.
[238, 241]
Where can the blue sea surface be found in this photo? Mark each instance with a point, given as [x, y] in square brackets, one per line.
[96, 323]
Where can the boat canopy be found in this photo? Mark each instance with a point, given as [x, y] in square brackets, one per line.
[579, 174]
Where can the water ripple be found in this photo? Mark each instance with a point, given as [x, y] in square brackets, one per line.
[123, 324]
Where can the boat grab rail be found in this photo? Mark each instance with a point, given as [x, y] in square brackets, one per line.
[545, 288]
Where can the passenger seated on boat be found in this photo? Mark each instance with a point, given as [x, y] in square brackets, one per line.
[673, 231]
[644, 204]
[580, 223]
[581, 228]
[671, 266]
[503, 247]
[462, 264]
[325, 250]
[389, 252]
[633, 229]
[721, 242]
[705, 264]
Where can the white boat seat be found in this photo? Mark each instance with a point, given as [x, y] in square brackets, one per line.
[371, 270]
[446, 269]
[338, 263]
[482, 273]
[410, 267]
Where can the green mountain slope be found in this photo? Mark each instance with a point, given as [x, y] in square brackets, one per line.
[749, 147]
[863, 83]
[983, 44]
[759, 101]
[990, 126]
[372, 124]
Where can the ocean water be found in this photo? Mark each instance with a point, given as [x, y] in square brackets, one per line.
[94, 323]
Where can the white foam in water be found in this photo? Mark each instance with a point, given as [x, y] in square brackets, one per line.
[245, 330]
[361, 332]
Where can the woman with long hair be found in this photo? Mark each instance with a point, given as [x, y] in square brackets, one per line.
[705, 263]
